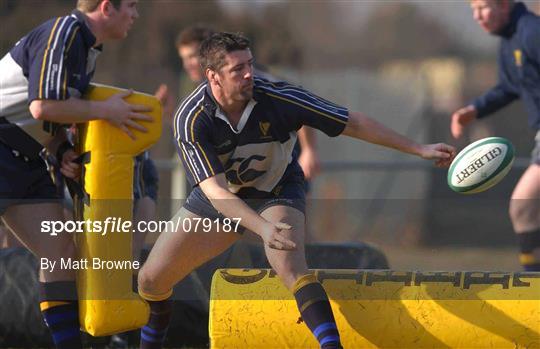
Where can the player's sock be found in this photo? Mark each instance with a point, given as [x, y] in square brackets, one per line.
[529, 244]
[316, 311]
[153, 333]
[60, 309]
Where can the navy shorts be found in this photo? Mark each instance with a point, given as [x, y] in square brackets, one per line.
[535, 159]
[23, 182]
[145, 179]
[289, 192]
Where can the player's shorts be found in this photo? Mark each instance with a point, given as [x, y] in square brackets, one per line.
[290, 191]
[535, 159]
[23, 181]
[145, 179]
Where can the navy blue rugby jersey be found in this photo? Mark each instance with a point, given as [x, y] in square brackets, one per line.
[54, 61]
[519, 67]
[258, 152]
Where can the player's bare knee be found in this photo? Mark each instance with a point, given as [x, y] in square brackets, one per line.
[149, 282]
[290, 277]
[289, 270]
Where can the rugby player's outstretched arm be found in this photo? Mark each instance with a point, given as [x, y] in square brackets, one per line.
[115, 110]
[362, 127]
[231, 206]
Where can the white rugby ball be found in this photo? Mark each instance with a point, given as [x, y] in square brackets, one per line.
[481, 165]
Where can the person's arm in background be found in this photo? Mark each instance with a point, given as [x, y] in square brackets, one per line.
[167, 101]
[496, 98]
[308, 159]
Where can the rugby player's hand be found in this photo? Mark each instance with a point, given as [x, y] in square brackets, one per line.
[443, 154]
[273, 236]
[124, 115]
[460, 120]
[68, 167]
[166, 100]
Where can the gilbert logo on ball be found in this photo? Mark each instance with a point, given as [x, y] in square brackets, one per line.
[481, 165]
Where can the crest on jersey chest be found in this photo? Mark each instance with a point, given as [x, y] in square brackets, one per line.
[264, 127]
[518, 56]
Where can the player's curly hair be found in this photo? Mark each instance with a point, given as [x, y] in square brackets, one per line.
[88, 6]
[214, 48]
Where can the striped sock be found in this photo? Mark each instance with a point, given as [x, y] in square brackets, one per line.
[316, 311]
[61, 313]
[529, 244]
[153, 333]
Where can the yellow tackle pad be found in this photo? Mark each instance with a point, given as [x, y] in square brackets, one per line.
[107, 303]
[381, 309]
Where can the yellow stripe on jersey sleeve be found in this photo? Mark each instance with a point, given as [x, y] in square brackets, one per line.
[307, 108]
[45, 58]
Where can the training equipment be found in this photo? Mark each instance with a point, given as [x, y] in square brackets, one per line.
[381, 309]
[481, 165]
[107, 302]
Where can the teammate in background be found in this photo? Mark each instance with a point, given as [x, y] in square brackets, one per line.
[41, 80]
[188, 43]
[235, 135]
[519, 77]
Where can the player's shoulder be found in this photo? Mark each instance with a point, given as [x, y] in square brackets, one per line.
[194, 109]
[50, 32]
[278, 91]
[53, 31]
[529, 27]
[59, 25]
[285, 92]
[263, 84]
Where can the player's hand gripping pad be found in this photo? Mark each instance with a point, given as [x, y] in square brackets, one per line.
[107, 302]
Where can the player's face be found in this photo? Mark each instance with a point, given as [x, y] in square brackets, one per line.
[236, 76]
[190, 60]
[491, 15]
[121, 20]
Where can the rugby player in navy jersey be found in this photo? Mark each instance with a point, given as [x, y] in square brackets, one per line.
[188, 43]
[41, 80]
[235, 135]
[519, 78]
